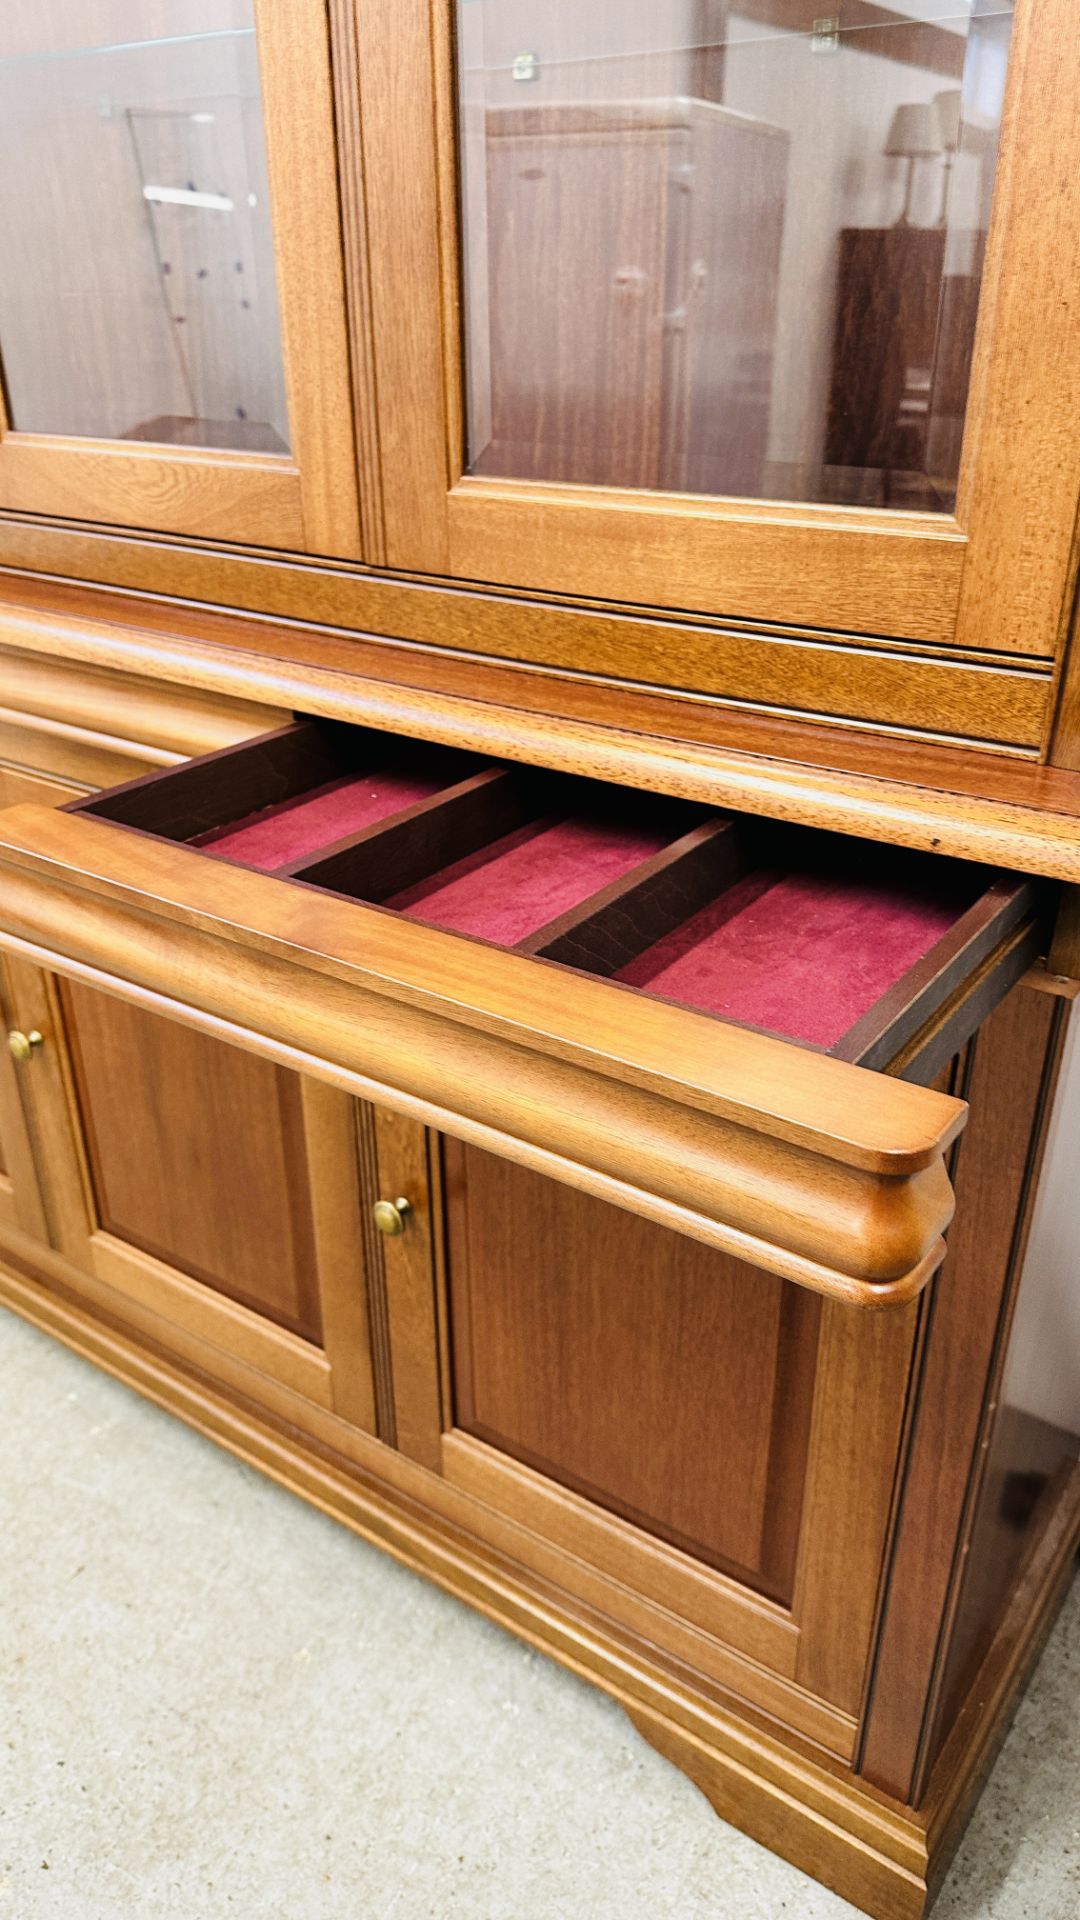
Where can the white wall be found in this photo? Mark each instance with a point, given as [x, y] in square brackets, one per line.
[1043, 1373]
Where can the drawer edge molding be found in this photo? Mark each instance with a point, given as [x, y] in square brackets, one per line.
[715, 1067]
[854, 1233]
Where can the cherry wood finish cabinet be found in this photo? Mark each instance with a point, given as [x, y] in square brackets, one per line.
[541, 826]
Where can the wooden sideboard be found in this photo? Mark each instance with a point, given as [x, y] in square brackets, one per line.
[538, 925]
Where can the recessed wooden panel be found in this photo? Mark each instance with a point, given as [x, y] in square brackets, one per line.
[664, 1380]
[197, 1156]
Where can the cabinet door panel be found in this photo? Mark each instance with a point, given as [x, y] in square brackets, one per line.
[217, 1185]
[695, 1446]
[165, 358]
[210, 1198]
[746, 332]
[637, 1367]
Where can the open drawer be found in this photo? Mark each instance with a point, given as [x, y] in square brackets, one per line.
[666, 1006]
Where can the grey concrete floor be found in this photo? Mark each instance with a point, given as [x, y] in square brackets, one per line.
[215, 1702]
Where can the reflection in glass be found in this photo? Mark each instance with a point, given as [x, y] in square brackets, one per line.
[727, 246]
[137, 299]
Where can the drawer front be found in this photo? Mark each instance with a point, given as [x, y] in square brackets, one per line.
[80, 727]
[664, 1008]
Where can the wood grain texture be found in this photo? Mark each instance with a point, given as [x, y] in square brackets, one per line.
[403, 269]
[1064, 744]
[144, 714]
[81, 756]
[885, 574]
[731, 1632]
[1020, 468]
[974, 806]
[336, 1198]
[219, 1185]
[401, 1166]
[732, 1133]
[1064, 955]
[859, 1402]
[298, 114]
[21, 1203]
[765, 1773]
[873, 573]
[889, 291]
[641, 1371]
[253, 499]
[981, 1727]
[929, 691]
[1005, 1086]
[602, 933]
[355, 266]
[163, 1231]
[49, 1103]
[259, 500]
[19, 788]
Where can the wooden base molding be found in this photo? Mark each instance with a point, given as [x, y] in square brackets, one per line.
[885, 1858]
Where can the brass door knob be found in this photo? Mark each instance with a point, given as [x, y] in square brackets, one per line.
[22, 1044]
[391, 1215]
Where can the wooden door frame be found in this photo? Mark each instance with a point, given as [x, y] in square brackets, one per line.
[304, 501]
[977, 580]
[21, 1203]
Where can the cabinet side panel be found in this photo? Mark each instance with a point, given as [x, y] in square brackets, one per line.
[1011, 1060]
[1034, 1442]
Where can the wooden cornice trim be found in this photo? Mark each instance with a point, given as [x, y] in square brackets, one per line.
[1038, 832]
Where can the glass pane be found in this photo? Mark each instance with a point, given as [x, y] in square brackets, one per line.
[137, 296]
[727, 246]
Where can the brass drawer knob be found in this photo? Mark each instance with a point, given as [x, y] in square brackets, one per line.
[22, 1044]
[391, 1215]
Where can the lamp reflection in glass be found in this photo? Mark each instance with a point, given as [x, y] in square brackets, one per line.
[915, 134]
[948, 108]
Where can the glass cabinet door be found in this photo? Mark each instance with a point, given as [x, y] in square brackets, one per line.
[741, 297]
[706, 253]
[159, 243]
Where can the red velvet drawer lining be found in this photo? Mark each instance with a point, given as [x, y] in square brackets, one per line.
[516, 884]
[802, 954]
[285, 832]
[802, 933]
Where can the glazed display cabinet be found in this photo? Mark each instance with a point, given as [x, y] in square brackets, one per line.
[540, 850]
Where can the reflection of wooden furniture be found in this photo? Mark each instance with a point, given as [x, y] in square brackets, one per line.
[641, 355]
[888, 296]
[901, 360]
[664, 1370]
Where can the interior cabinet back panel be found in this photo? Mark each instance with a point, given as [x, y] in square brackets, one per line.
[224, 1122]
[656, 1376]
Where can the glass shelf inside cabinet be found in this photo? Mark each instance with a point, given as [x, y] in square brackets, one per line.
[138, 298]
[727, 247]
